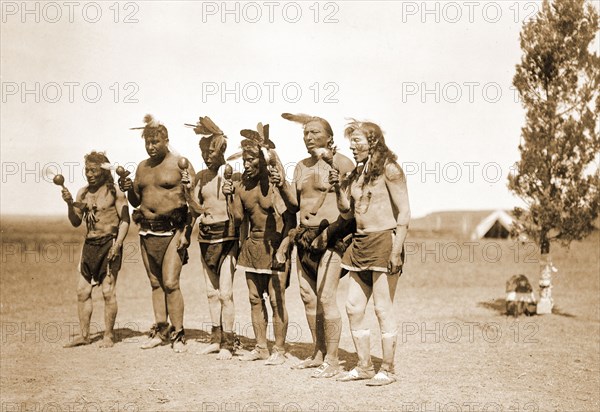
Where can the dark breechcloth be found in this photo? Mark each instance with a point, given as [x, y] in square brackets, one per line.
[156, 247]
[369, 252]
[308, 257]
[216, 243]
[94, 259]
[257, 254]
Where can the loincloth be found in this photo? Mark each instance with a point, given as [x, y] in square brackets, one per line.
[369, 253]
[309, 258]
[156, 246]
[216, 232]
[94, 264]
[216, 244]
[257, 254]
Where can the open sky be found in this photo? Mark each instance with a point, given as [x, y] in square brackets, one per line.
[436, 76]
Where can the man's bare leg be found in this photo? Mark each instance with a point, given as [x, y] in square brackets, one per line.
[384, 290]
[257, 285]
[356, 304]
[315, 320]
[171, 271]
[327, 283]
[227, 306]
[110, 309]
[280, 317]
[159, 305]
[84, 311]
[214, 308]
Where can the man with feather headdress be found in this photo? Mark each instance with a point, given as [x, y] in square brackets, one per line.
[319, 269]
[218, 236]
[270, 205]
[105, 212]
[165, 229]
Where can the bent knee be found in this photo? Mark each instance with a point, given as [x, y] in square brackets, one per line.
[83, 295]
[171, 286]
[212, 294]
[353, 308]
[225, 296]
[277, 301]
[329, 299]
[255, 299]
[383, 311]
[154, 283]
[108, 293]
[308, 296]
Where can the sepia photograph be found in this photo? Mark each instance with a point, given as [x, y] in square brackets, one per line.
[284, 206]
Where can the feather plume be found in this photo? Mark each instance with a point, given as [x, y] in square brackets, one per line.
[251, 135]
[260, 130]
[209, 125]
[298, 118]
[151, 121]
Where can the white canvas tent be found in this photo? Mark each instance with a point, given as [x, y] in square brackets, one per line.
[496, 225]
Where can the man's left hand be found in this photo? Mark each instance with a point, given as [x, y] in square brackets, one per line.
[114, 252]
[395, 263]
[275, 177]
[183, 242]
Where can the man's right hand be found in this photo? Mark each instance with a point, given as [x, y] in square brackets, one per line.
[125, 184]
[334, 177]
[227, 187]
[67, 197]
[185, 179]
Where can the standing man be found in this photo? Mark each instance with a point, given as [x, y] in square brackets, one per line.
[106, 215]
[218, 237]
[319, 270]
[165, 229]
[376, 195]
[270, 205]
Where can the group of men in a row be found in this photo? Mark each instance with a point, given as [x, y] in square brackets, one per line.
[340, 217]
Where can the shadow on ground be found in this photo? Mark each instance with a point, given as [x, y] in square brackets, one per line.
[499, 306]
[300, 350]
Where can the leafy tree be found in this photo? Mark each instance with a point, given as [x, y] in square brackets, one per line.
[558, 80]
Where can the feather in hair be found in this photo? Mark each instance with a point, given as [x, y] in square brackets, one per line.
[151, 121]
[298, 118]
[210, 125]
[251, 135]
[259, 129]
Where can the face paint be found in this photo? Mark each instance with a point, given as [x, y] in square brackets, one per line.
[359, 145]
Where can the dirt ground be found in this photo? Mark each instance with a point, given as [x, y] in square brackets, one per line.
[457, 351]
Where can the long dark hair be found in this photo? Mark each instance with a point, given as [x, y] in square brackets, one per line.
[380, 154]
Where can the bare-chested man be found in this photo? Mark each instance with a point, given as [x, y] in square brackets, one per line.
[218, 237]
[270, 205]
[319, 270]
[165, 227]
[105, 212]
[377, 197]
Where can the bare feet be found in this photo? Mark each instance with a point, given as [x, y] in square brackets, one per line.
[212, 348]
[78, 341]
[224, 354]
[107, 342]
